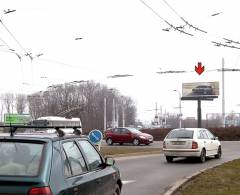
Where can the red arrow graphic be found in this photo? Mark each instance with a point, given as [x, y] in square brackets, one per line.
[199, 68]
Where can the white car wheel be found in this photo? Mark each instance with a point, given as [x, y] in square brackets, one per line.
[219, 154]
[203, 156]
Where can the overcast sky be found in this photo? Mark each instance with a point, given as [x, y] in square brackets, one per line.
[121, 37]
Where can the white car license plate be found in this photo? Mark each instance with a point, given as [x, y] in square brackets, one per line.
[178, 142]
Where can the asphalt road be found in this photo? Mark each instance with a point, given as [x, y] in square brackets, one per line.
[152, 175]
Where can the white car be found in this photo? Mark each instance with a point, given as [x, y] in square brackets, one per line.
[191, 142]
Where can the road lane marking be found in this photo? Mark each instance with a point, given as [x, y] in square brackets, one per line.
[128, 181]
[120, 158]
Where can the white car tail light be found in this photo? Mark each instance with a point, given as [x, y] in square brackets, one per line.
[194, 145]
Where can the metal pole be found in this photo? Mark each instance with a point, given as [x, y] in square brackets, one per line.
[180, 109]
[116, 113]
[105, 114]
[199, 114]
[223, 94]
[113, 113]
[123, 117]
[123, 111]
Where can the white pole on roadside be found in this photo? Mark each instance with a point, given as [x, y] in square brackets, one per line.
[113, 113]
[123, 117]
[180, 108]
[223, 94]
[105, 115]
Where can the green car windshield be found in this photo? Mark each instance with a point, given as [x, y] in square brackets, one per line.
[20, 159]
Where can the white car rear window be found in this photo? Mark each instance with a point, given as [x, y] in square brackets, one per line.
[184, 134]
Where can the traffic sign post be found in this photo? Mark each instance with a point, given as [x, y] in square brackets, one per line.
[96, 137]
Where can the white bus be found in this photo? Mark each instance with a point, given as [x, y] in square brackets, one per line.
[51, 121]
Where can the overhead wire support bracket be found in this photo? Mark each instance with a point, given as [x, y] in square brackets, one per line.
[218, 44]
[191, 26]
[11, 34]
[177, 28]
[186, 22]
[164, 19]
[231, 41]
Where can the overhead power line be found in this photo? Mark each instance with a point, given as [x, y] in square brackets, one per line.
[231, 41]
[13, 52]
[185, 21]
[169, 24]
[120, 75]
[217, 13]
[9, 11]
[26, 53]
[228, 42]
[171, 71]
[219, 44]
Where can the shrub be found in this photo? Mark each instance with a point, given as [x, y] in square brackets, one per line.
[224, 134]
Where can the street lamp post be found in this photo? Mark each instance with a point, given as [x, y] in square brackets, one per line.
[180, 109]
[105, 114]
[223, 94]
[113, 113]
[123, 111]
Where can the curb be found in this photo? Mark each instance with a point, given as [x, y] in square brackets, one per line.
[181, 182]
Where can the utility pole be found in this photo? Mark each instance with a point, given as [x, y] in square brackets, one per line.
[123, 117]
[105, 115]
[113, 113]
[116, 114]
[180, 109]
[223, 94]
[199, 113]
[123, 111]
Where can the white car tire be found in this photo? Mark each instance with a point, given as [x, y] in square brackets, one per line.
[202, 157]
[219, 154]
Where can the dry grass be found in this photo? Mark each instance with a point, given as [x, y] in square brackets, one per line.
[221, 180]
[128, 150]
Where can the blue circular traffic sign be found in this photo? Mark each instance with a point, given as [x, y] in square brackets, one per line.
[95, 136]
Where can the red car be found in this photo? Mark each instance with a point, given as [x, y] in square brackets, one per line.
[127, 135]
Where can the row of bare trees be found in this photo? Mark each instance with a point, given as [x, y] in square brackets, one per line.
[76, 99]
[12, 103]
[84, 100]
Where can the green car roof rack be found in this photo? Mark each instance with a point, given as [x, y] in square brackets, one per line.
[61, 133]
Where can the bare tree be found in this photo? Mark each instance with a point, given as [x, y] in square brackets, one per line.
[1, 111]
[8, 102]
[21, 103]
[84, 100]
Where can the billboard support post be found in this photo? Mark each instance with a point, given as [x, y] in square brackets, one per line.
[199, 114]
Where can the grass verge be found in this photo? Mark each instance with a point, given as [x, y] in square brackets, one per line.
[116, 151]
[221, 180]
